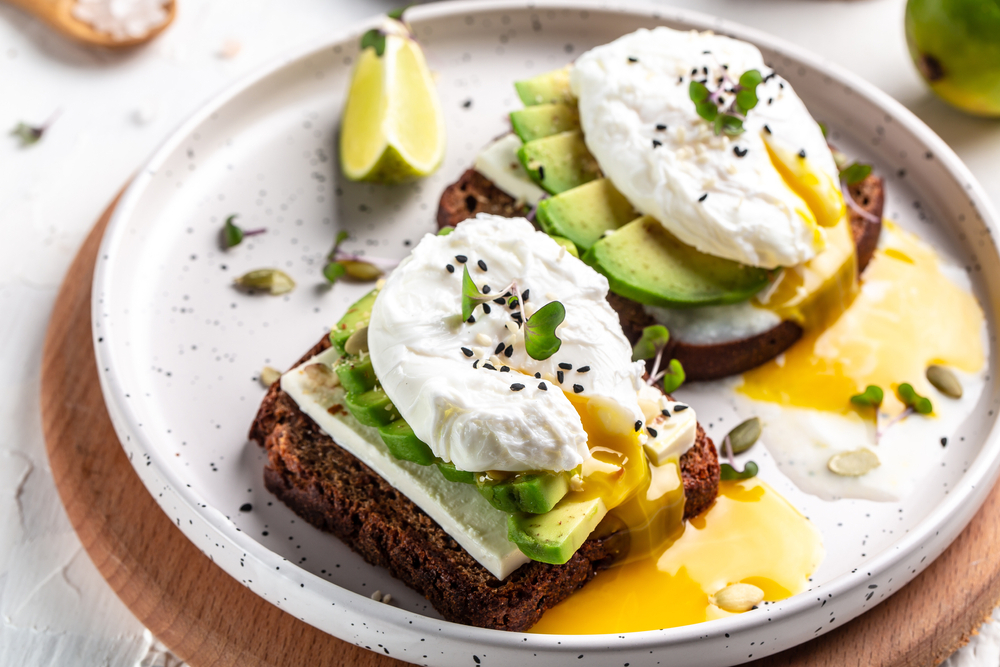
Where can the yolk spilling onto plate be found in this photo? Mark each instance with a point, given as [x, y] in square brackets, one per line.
[907, 315]
[750, 534]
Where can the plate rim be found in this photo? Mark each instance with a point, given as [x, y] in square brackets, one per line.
[964, 501]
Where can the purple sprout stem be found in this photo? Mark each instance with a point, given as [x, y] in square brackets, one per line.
[254, 232]
[853, 205]
[898, 418]
[653, 377]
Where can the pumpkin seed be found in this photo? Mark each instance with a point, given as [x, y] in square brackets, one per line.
[272, 281]
[358, 342]
[944, 381]
[854, 463]
[737, 598]
[360, 270]
[269, 375]
[744, 435]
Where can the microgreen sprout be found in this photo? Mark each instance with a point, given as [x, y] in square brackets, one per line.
[728, 120]
[540, 340]
[233, 234]
[729, 471]
[909, 397]
[31, 134]
[375, 38]
[853, 174]
[365, 269]
[871, 397]
[652, 345]
[471, 296]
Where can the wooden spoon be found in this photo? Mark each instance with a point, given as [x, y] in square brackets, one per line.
[59, 15]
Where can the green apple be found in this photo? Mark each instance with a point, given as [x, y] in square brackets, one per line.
[956, 46]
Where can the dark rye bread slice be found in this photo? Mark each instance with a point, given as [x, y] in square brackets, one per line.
[337, 493]
[701, 362]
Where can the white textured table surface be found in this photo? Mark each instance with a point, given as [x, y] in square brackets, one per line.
[55, 609]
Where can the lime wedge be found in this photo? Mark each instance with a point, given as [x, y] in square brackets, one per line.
[393, 128]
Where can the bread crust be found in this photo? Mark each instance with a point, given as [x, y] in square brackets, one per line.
[701, 362]
[334, 491]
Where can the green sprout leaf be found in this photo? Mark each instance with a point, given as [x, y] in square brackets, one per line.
[911, 399]
[471, 296]
[444, 231]
[397, 13]
[730, 125]
[375, 39]
[746, 98]
[232, 235]
[540, 340]
[334, 271]
[698, 92]
[855, 173]
[751, 79]
[653, 338]
[27, 134]
[871, 397]
[707, 110]
[673, 377]
[729, 473]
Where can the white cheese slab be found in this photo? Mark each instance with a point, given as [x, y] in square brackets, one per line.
[458, 508]
[499, 163]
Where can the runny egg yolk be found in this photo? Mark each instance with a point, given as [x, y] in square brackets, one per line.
[907, 315]
[819, 192]
[750, 535]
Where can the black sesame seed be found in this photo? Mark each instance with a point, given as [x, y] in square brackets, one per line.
[652, 432]
[507, 293]
[565, 366]
[509, 352]
[524, 295]
[725, 67]
[770, 100]
[516, 317]
[499, 301]
[517, 386]
[781, 85]
[559, 376]
[466, 351]
[633, 59]
[665, 413]
[680, 408]
[541, 385]
[461, 259]
[475, 364]
[661, 127]
[486, 289]
[802, 153]
[490, 366]
[706, 52]
[583, 369]
[482, 264]
[944, 442]
[657, 143]
[577, 388]
[499, 349]
[767, 129]
[694, 71]
[705, 70]
[246, 507]
[486, 308]
[680, 79]
[513, 304]
[703, 197]
[505, 369]
[451, 269]
[541, 172]
[638, 425]
[538, 375]
[740, 152]
[471, 320]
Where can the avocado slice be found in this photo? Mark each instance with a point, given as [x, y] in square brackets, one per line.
[559, 162]
[534, 493]
[357, 316]
[543, 120]
[644, 262]
[372, 408]
[555, 536]
[356, 375]
[585, 213]
[453, 474]
[404, 444]
[545, 88]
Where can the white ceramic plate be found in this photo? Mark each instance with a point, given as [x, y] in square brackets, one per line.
[179, 350]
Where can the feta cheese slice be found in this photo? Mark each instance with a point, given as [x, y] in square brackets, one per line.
[499, 163]
[675, 429]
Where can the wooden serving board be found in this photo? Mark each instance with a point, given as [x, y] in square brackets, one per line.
[208, 618]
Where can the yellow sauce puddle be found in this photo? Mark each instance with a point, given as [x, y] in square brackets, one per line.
[750, 534]
[907, 316]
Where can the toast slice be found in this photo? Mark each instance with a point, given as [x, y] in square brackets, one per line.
[334, 491]
[474, 193]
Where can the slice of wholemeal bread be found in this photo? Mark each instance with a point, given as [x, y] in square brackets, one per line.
[333, 490]
[473, 193]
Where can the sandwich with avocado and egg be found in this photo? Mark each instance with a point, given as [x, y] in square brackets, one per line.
[480, 426]
[693, 177]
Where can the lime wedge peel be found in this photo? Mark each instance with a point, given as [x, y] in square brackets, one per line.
[393, 128]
